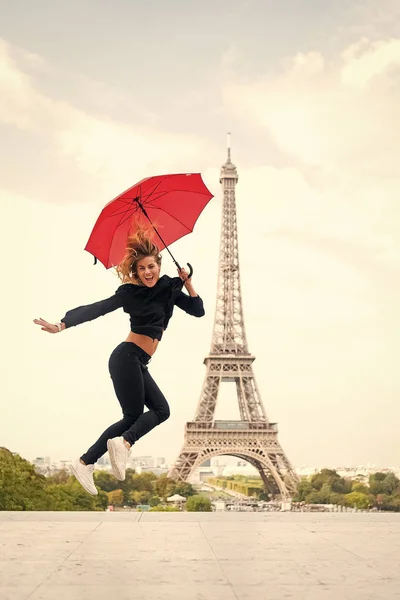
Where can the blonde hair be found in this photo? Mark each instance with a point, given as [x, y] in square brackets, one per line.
[139, 245]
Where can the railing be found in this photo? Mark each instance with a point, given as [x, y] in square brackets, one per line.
[231, 426]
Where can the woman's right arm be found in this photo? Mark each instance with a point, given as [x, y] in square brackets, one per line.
[82, 314]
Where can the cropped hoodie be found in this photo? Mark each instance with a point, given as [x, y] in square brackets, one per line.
[149, 308]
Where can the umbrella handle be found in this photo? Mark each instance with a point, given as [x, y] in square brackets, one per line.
[188, 264]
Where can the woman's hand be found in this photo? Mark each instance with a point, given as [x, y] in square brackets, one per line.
[49, 327]
[183, 274]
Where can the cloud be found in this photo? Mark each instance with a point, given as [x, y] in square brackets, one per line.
[326, 204]
[332, 122]
[20, 104]
[103, 148]
[365, 60]
[323, 114]
[371, 18]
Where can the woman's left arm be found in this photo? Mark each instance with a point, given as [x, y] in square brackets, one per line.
[191, 304]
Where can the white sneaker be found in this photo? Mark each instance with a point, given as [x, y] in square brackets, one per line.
[118, 456]
[84, 474]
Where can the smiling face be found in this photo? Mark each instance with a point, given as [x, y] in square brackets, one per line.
[148, 271]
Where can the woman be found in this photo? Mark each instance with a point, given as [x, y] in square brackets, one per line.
[149, 299]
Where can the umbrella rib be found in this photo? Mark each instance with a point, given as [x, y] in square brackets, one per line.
[128, 201]
[155, 186]
[172, 217]
[153, 190]
[122, 221]
[126, 207]
[128, 216]
[122, 212]
[167, 192]
[129, 204]
[164, 193]
[150, 202]
[119, 210]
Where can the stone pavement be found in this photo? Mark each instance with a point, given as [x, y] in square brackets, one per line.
[199, 556]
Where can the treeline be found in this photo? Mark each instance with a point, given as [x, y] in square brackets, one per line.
[241, 484]
[22, 488]
[146, 489]
[382, 491]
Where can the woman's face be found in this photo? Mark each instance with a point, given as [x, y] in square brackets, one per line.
[148, 271]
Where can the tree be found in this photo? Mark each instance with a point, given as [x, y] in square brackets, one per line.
[325, 494]
[313, 498]
[198, 504]
[105, 481]
[139, 497]
[336, 483]
[102, 500]
[165, 486]
[360, 487]
[162, 508]
[341, 485]
[322, 496]
[140, 482]
[71, 496]
[154, 501]
[263, 496]
[182, 488]
[116, 497]
[391, 483]
[376, 483]
[161, 485]
[357, 499]
[391, 503]
[61, 476]
[21, 488]
[303, 490]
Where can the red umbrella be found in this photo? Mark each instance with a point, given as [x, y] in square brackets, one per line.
[172, 203]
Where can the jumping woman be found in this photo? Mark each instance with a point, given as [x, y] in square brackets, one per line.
[149, 300]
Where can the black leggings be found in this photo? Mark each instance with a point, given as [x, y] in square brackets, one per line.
[135, 389]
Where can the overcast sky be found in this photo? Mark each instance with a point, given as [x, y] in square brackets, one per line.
[96, 95]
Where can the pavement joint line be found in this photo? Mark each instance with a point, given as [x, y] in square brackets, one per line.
[218, 563]
[343, 548]
[330, 565]
[62, 562]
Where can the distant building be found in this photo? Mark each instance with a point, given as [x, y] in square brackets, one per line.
[42, 461]
[156, 470]
[143, 461]
[147, 463]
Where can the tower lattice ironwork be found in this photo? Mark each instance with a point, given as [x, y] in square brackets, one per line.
[252, 438]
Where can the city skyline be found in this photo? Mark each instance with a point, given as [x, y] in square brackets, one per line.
[222, 465]
[311, 98]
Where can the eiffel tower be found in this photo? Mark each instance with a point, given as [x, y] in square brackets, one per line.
[252, 438]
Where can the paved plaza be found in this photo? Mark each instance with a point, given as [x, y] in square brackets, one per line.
[199, 556]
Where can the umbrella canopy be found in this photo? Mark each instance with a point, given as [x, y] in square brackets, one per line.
[171, 203]
[176, 498]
